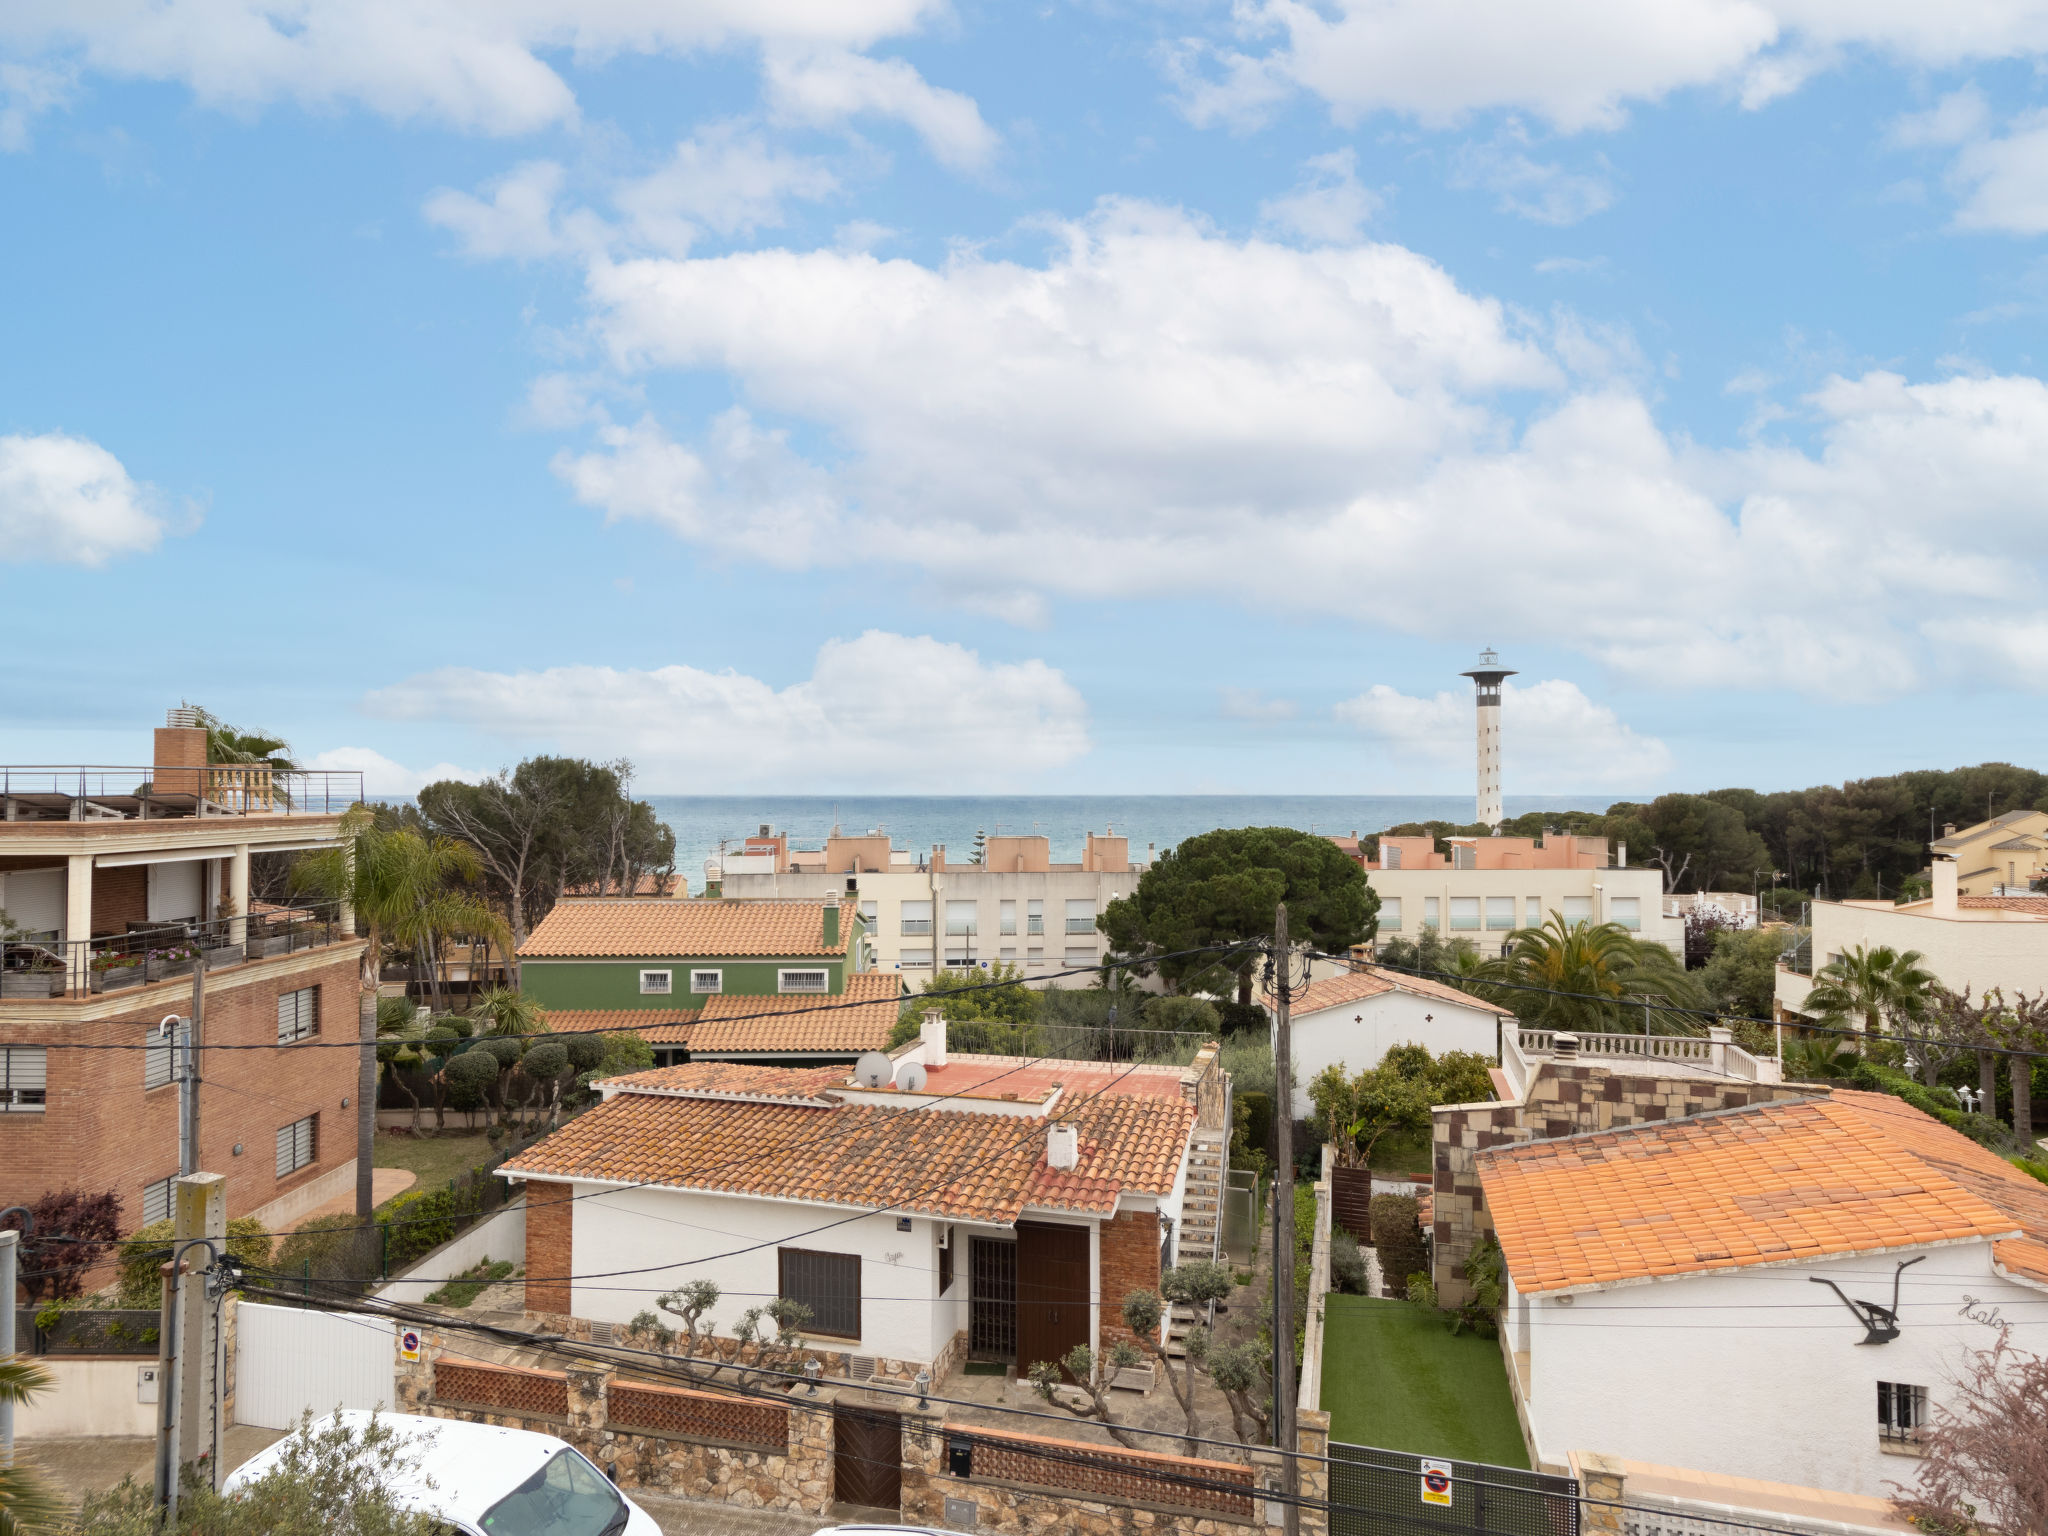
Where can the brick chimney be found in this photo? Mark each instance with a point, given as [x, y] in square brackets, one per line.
[180, 744]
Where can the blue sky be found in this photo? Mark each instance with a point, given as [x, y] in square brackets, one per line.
[889, 395]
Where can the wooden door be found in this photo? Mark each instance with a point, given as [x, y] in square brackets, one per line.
[867, 1457]
[1052, 1291]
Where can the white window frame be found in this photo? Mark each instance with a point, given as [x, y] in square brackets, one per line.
[24, 1080]
[1079, 957]
[298, 1015]
[298, 1145]
[911, 926]
[870, 915]
[823, 973]
[1532, 912]
[1576, 910]
[1500, 913]
[1626, 912]
[1390, 914]
[1084, 916]
[707, 980]
[1465, 914]
[963, 919]
[1034, 916]
[914, 959]
[1034, 955]
[664, 988]
[1006, 917]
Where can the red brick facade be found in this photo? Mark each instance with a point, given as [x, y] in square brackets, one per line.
[100, 1129]
[1130, 1262]
[550, 1230]
[120, 896]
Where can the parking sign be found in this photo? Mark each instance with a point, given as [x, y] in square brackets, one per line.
[1436, 1483]
[409, 1344]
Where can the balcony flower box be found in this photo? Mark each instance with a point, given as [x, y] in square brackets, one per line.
[112, 970]
[31, 984]
[162, 964]
[225, 955]
[264, 944]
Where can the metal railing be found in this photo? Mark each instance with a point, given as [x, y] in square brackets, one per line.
[99, 792]
[40, 969]
[1080, 925]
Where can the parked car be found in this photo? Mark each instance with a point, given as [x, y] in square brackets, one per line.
[488, 1481]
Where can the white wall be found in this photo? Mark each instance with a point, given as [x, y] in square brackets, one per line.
[1359, 1033]
[502, 1236]
[661, 1232]
[89, 1397]
[34, 898]
[1759, 1373]
[289, 1361]
[176, 890]
[1984, 950]
[1645, 885]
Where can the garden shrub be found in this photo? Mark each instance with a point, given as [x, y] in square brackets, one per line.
[421, 1220]
[1874, 1077]
[1397, 1239]
[1253, 1131]
[1347, 1263]
[144, 1254]
[1237, 1018]
[329, 1249]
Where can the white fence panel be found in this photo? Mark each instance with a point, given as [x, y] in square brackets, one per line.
[287, 1361]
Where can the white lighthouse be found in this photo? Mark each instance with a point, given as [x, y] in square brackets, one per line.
[1486, 679]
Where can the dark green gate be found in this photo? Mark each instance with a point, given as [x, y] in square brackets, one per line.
[1395, 1493]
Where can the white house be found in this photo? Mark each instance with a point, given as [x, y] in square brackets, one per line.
[1688, 1292]
[998, 1207]
[1354, 1016]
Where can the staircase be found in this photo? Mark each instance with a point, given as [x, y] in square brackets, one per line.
[1201, 1212]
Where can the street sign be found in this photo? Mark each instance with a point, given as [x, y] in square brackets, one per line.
[409, 1344]
[1436, 1483]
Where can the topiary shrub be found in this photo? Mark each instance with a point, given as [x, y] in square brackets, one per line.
[505, 1049]
[545, 1062]
[1397, 1239]
[470, 1077]
[586, 1052]
[144, 1254]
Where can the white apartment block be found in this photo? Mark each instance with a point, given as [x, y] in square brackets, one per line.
[1015, 906]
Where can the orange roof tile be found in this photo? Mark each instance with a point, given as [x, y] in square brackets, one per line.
[2035, 904]
[1772, 1183]
[735, 1078]
[657, 927]
[659, 1024]
[2023, 1258]
[939, 1162]
[859, 1019]
[1355, 986]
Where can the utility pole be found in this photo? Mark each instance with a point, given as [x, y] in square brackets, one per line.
[366, 1105]
[1283, 1233]
[189, 1378]
[188, 1067]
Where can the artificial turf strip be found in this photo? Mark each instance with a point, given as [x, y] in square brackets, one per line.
[1396, 1378]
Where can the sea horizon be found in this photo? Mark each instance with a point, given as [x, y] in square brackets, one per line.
[917, 822]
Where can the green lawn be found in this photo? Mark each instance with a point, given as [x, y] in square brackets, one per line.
[1395, 1378]
[434, 1160]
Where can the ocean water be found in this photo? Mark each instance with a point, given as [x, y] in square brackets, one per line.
[916, 822]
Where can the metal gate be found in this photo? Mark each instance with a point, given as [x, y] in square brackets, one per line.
[1394, 1493]
[867, 1456]
[288, 1361]
[992, 1300]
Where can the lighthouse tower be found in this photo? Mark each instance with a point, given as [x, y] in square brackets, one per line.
[1486, 678]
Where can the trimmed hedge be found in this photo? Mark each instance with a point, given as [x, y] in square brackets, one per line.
[1397, 1238]
[1938, 1102]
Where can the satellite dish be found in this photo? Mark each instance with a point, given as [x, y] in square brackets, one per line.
[910, 1077]
[874, 1070]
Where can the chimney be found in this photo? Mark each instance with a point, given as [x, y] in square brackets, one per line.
[932, 1031]
[1062, 1146]
[831, 925]
[1621, 855]
[180, 743]
[1564, 1046]
[1944, 873]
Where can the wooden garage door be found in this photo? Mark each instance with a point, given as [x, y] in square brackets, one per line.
[1052, 1291]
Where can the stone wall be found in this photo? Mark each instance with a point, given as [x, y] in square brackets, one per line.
[1562, 1100]
[1207, 1086]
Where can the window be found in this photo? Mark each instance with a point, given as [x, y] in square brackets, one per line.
[1081, 916]
[870, 914]
[1034, 917]
[803, 981]
[707, 981]
[1390, 914]
[1034, 956]
[1464, 912]
[298, 1015]
[566, 1494]
[1901, 1412]
[945, 1268]
[1532, 912]
[1577, 909]
[1500, 911]
[1079, 957]
[159, 1060]
[915, 959]
[1627, 911]
[963, 917]
[23, 1079]
[297, 1145]
[827, 1283]
[1429, 912]
[1006, 920]
[1462, 856]
[1009, 953]
[917, 917]
[657, 983]
[156, 1200]
[958, 959]
[1390, 857]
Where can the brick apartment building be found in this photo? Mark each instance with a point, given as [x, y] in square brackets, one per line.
[115, 881]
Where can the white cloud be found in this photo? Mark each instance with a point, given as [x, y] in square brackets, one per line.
[1329, 204]
[1553, 737]
[516, 220]
[725, 177]
[1253, 705]
[1958, 117]
[1155, 407]
[882, 711]
[1577, 64]
[27, 91]
[2004, 181]
[822, 89]
[1544, 192]
[382, 776]
[66, 500]
[474, 66]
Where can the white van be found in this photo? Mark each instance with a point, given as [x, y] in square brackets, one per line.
[489, 1481]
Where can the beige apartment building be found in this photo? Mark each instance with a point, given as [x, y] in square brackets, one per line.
[1979, 942]
[1016, 905]
[1999, 857]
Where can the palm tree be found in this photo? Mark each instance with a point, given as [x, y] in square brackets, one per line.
[1811, 1058]
[27, 1501]
[1868, 989]
[503, 1012]
[406, 886]
[1580, 976]
[230, 744]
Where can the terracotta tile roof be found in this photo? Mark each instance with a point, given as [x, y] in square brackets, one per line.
[2023, 1258]
[735, 1078]
[1770, 1184]
[1356, 986]
[732, 1023]
[938, 1162]
[657, 927]
[646, 1022]
[2037, 904]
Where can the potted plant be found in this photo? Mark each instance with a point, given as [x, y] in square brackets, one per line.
[171, 960]
[43, 976]
[266, 940]
[113, 969]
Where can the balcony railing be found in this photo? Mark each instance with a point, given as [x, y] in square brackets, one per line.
[51, 792]
[40, 969]
[1080, 925]
[916, 925]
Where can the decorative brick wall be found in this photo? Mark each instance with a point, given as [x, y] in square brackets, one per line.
[707, 1416]
[1130, 1262]
[526, 1393]
[550, 1229]
[1560, 1101]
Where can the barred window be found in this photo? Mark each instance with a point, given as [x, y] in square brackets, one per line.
[156, 1200]
[805, 981]
[298, 1144]
[1901, 1412]
[707, 981]
[657, 983]
[827, 1283]
[298, 1015]
[962, 917]
[24, 1079]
